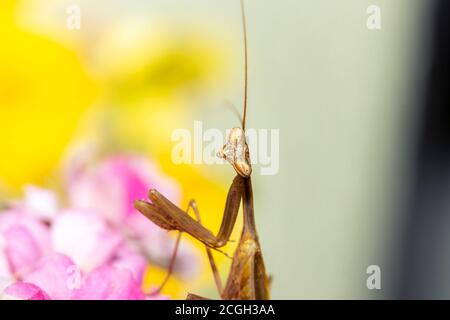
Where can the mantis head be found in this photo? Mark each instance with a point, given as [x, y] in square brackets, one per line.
[236, 152]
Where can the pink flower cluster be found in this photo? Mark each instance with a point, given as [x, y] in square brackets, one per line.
[97, 246]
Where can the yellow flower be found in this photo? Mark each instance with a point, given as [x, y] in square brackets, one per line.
[140, 61]
[44, 91]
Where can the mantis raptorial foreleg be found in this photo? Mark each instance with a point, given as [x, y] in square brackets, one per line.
[170, 217]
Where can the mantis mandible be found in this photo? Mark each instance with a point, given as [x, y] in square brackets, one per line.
[247, 278]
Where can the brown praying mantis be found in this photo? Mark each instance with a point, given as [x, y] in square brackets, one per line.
[247, 278]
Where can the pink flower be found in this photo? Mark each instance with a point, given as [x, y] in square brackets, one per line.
[23, 291]
[57, 275]
[109, 283]
[126, 258]
[97, 248]
[85, 237]
[23, 241]
[5, 270]
[111, 186]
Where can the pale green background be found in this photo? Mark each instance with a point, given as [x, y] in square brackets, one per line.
[344, 99]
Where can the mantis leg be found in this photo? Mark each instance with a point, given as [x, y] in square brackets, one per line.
[170, 217]
[193, 296]
[215, 271]
[192, 205]
[173, 259]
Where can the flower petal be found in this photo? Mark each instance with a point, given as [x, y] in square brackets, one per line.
[5, 269]
[55, 275]
[24, 240]
[84, 237]
[41, 203]
[21, 250]
[111, 186]
[24, 291]
[109, 283]
[128, 259]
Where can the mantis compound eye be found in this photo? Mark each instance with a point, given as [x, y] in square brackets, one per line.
[235, 151]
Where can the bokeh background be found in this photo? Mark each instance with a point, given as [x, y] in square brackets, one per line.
[345, 99]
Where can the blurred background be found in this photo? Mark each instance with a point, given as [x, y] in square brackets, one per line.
[347, 101]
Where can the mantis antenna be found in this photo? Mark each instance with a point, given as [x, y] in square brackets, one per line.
[244, 26]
